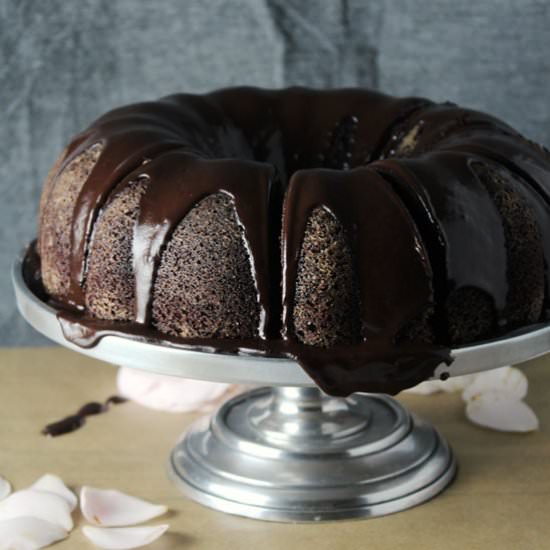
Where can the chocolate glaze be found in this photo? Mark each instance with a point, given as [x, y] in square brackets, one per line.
[364, 203]
[463, 216]
[528, 160]
[339, 370]
[73, 422]
[178, 182]
[502, 149]
[257, 145]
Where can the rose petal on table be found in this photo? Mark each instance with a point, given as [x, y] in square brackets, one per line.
[458, 383]
[112, 508]
[54, 484]
[37, 504]
[5, 488]
[452, 384]
[29, 533]
[502, 380]
[499, 412]
[122, 538]
[426, 388]
[167, 393]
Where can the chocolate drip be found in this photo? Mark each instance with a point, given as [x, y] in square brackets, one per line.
[73, 422]
[540, 209]
[104, 177]
[399, 289]
[466, 233]
[340, 370]
[530, 164]
[131, 136]
[178, 183]
[418, 204]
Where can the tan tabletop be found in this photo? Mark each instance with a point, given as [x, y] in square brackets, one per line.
[500, 500]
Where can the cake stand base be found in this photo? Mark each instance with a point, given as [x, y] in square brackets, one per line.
[295, 454]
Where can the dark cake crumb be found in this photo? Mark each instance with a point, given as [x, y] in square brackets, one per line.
[470, 315]
[110, 282]
[327, 304]
[204, 285]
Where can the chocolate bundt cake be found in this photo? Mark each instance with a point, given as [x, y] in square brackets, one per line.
[360, 234]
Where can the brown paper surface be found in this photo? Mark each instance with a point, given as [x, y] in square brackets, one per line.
[500, 499]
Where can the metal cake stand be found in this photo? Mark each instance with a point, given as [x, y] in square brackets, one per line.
[288, 452]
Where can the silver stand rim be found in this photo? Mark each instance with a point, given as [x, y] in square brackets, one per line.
[296, 455]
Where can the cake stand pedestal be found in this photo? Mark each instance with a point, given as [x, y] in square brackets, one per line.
[294, 454]
[287, 452]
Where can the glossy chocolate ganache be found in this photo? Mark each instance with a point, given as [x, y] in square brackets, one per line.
[359, 234]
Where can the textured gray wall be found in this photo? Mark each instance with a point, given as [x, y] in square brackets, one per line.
[63, 63]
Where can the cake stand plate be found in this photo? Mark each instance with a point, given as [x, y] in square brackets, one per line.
[288, 452]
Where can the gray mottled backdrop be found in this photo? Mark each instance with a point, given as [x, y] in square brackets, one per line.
[62, 63]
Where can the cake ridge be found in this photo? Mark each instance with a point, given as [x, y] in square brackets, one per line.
[146, 131]
[484, 146]
[90, 201]
[392, 130]
[532, 178]
[539, 213]
[442, 181]
[435, 123]
[525, 253]
[160, 213]
[340, 195]
[418, 204]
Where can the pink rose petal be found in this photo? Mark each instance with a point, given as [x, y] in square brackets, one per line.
[168, 393]
[29, 533]
[5, 488]
[123, 538]
[507, 380]
[53, 484]
[500, 412]
[111, 508]
[42, 505]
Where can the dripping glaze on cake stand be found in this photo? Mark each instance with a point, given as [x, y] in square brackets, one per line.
[286, 451]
